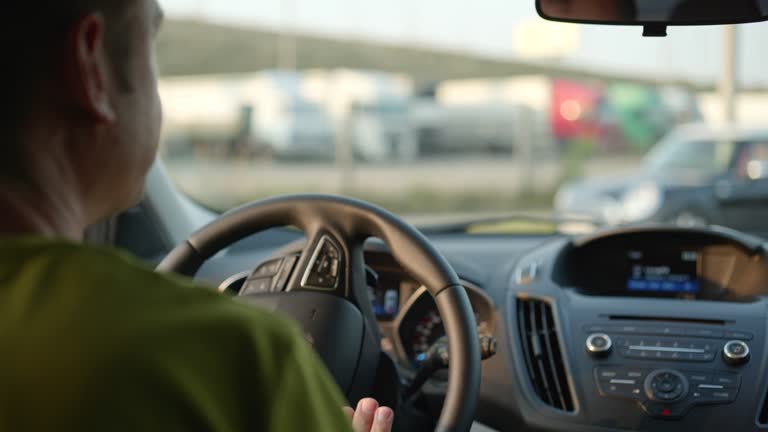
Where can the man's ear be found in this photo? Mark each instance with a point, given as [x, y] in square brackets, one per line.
[89, 70]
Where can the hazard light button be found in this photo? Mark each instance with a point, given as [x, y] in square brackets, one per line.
[665, 411]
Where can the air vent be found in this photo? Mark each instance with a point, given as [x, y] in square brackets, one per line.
[543, 357]
[762, 418]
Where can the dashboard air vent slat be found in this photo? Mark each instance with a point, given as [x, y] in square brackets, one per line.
[543, 357]
[762, 418]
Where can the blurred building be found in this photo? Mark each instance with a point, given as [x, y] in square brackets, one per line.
[370, 110]
[259, 114]
[750, 107]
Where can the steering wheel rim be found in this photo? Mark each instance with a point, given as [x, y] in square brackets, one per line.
[348, 223]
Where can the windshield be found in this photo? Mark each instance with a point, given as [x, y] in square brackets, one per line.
[447, 112]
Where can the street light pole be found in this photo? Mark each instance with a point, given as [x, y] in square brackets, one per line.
[729, 79]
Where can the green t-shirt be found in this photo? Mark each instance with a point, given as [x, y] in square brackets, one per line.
[92, 340]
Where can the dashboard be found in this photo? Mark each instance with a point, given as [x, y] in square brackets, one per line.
[644, 329]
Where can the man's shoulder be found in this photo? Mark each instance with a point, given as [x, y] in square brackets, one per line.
[173, 294]
[112, 286]
[159, 339]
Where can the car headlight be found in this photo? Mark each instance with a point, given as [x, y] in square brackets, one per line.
[641, 202]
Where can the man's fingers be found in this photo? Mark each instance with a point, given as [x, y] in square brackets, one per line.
[349, 412]
[382, 422]
[368, 417]
[364, 414]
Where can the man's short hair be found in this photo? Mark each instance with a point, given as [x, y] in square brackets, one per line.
[31, 31]
[51, 18]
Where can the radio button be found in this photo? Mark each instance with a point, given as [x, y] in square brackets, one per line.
[697, 378]
[630, 329]
[666, 355]
[727, 381]
[620, 329]
[718, 395]
[739, 335]
[596, 328]
[624, 383]
[609, 373]
[606, 374]
[703, 357]
[712, 396]
[705, 333]
[676, 356]
[666, 331]
[635, 354]
[625, 391]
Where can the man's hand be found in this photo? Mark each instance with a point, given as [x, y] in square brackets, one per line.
[369, 417]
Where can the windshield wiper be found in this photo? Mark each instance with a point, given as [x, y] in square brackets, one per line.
[559, 224]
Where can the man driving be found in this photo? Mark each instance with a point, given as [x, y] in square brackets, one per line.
[91, 339]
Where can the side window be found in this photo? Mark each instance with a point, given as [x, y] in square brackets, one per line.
[752, 161]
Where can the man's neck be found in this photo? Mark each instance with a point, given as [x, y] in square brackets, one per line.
[44, 195]
[25, 210]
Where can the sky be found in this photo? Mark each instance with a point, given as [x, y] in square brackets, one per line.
[489, 27]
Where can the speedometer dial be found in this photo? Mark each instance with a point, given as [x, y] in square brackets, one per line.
[428, 330]
[419, 326]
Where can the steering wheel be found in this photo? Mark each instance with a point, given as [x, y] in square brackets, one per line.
[327, 292]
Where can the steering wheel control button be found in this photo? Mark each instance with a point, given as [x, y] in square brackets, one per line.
[323, 271]
[736, 352]
[285, 273]
[258, 286]
[267, 269]
[666, 386]
[599, 344]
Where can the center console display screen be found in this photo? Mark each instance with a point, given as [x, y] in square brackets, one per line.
[663, 272]
[667, 264]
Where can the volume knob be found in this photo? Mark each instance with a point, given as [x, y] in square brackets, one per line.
[599, 344]
[736, 353]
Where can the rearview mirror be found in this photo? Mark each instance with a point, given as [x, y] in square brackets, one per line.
[654, 13]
